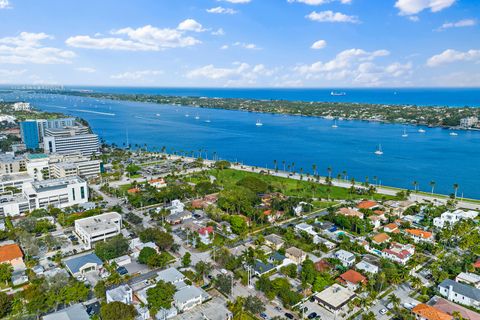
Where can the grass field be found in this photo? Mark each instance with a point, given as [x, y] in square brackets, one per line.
[291, 187]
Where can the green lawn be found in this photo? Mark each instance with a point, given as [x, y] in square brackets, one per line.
[291, 187]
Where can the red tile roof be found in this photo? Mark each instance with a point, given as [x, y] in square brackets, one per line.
[419, 233]
[430, 313]
[352, 276]
[367, 204]
[10, 252]
[206, 230]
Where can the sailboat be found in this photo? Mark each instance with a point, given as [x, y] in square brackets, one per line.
[405, 134]
[379, 151]
[453, 134]
[334, 125]
[421, 130]
[259, 123]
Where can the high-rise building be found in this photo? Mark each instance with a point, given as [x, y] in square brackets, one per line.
[86, 144]
[33, 131]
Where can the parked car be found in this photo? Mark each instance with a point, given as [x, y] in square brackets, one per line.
[312, 315]
[289, 315]
[122, 271]
[383, 311]
[263, 315]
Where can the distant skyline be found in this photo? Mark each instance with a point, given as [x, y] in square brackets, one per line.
[241, 43]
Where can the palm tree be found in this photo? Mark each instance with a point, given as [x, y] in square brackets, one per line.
[455, 188]
[314, 168]
[275, 165]
[432, 184]
[284, 162]
[415, 184]
[329, 169]
[344, 172]
[393, 299]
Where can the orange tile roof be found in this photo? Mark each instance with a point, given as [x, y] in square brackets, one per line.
[419, 233]
[10, 252]
[350, 212]
[352, 276]
[367, 204]
[379, 212]
[391, 226]
[476, 264]
[430, 313]
[133, 190]
[381, 237]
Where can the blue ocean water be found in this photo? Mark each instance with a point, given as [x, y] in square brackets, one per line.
[232, 135]
[453, 97]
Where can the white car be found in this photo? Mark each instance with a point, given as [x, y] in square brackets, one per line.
[383, 311]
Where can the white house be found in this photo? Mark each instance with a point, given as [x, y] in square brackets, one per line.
[122, 294]
[453, 217]
[98, 228]
[369, 264]
[472, 279]
[176, 207]
[460, 293]
[304, 227]
[399, 253]
[346, 258]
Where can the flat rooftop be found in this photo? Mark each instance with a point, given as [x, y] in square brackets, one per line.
[53, 184]
[14, 177]
[98, 223]
[335, 296]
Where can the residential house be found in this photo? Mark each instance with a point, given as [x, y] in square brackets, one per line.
[74, 312]
[375, 221]
[352, 279]
[419, 235]
[453, 308]
[398, 207]
[13, 255]
[274, 241]
[391, 227]
[399, 253]
[178, 217]
[460, 293]
[451, 218]
[472, 279]
[368, 205]
[171, 275]
[82, 264]
[346, 258]
[369, 264]
[304, 227]
[189, 297]
[322, 265]
[121, 293]
[296, 255]
[157, 183]
[206, 234]
[176, 207]
[380, 238]
[98, 228]
[423, 311]
[349, 212]
[260, 268]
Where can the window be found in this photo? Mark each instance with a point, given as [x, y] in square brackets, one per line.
[82, 192]
[73, 194]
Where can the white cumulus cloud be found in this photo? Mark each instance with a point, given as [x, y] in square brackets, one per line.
[248, 46]
[320, 44]
[222, 10]
[411, 7]
[146, 38]
[451, 55]
[330, 16]
[4, 4]
[318, 2]
[28, 48]
[237, 1]
[190, 25]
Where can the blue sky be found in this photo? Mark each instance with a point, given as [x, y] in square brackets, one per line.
[241, 43]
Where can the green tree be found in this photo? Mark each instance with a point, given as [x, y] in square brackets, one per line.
[145, 254]
[254, 184]
[160, 296]
[132, 169]
[224, 283]
[254, 305]
[100, 289]
[238, 224]
[6, 271]
[112, 248]
[5, 304]
[186, 260]
[162, 239]
[117, 311]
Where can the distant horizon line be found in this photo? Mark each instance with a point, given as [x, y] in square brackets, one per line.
[233, 88]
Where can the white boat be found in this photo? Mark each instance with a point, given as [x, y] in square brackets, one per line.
[421, 130]
[197, 117]
[405, 134]
[335, 124]
[453, 134]
[379, 151]
[187, 115]
[334, 93]
[158, 114]
[259, 123]
[208, 121]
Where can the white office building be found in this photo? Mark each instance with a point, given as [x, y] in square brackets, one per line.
[59, 193]
[98, 228]
[15, 180]
[86, 144]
